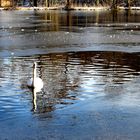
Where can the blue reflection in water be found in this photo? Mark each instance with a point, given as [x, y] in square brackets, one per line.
[69, 79]
[91, 85]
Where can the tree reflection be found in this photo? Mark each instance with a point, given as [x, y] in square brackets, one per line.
[57, 21]
[67, 76]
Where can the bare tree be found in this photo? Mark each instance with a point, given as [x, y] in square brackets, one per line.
[35, 3]
[128, 3]
[68, 4]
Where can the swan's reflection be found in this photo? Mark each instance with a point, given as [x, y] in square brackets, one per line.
[41, 104]
[34, 100]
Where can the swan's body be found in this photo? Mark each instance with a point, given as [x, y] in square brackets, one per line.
[35, 82]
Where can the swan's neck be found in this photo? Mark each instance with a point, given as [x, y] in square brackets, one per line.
[34, 75]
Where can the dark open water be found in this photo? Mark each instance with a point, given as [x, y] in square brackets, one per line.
[90, 66]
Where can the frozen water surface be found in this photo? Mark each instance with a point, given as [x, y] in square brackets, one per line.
[90, 65]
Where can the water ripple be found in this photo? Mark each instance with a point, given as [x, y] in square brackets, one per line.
[69, 78]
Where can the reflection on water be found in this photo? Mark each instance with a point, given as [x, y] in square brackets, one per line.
[29, 33]
[89, 63]
[69, 78]
[42, 21]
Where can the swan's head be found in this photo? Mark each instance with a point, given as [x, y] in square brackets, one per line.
[34, 65]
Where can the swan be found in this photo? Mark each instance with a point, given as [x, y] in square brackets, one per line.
[35, 82]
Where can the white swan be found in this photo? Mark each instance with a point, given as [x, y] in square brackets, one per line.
[35, 82]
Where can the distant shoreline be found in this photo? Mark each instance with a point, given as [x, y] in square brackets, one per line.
[72, 8]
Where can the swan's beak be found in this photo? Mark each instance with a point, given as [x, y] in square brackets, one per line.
[34, 65]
